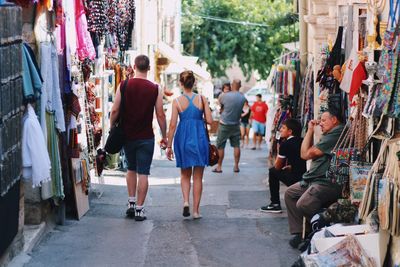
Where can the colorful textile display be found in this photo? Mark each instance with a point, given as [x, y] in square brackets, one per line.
[85, 46]
[98, 17]
[125, 19]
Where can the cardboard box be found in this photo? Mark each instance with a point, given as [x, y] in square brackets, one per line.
[374, 244]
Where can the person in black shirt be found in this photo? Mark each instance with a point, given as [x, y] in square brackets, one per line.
[289, 166]
[245, 125]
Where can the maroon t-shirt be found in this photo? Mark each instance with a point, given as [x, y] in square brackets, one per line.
[140, 100]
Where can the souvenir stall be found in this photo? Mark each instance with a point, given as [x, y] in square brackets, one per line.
[286, 84]
[73, 60]
[360, 77]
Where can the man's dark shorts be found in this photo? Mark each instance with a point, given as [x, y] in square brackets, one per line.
[231, 132]
[139, 154]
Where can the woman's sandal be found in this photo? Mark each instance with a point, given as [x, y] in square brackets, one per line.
[196, 216]
[186, 211]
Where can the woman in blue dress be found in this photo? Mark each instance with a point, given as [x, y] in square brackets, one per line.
[191, 142]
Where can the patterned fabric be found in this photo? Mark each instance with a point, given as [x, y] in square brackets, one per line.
[388, 64]
[386, 70]
[98, 18]
[112, 13]
[394, 108]
[125, 18]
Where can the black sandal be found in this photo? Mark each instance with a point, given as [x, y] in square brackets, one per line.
[186, 211]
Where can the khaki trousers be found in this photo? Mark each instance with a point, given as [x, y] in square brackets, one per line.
[307, 201]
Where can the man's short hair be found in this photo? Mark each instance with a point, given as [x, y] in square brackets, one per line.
[294, 125]
[236, 84]
[142, 63]
[259, 95]
[335, 112]
[226, 85]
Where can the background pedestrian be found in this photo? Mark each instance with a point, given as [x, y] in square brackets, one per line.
[229, 124]
[245, 124]
[259, 116]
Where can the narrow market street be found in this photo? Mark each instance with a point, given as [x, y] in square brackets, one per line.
[111, 112]
[232, 231]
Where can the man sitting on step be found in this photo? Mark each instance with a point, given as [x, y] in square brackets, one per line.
[289, 167]
[315, 190]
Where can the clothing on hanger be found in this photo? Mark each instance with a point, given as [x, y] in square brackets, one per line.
[31, 77]
[35, 157]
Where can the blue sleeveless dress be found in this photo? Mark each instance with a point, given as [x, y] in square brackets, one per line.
[190, 142]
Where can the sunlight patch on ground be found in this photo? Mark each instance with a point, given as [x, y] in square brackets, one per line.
[120, 181]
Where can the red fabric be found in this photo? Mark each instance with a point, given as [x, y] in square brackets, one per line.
[140, 99]
[259, 111]
[359, 75]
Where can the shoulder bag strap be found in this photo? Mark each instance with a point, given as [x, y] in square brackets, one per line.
[205, 122]
[122, 104]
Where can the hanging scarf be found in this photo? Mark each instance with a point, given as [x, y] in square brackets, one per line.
[387, 64]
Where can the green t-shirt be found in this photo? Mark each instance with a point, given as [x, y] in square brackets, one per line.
[319, 166]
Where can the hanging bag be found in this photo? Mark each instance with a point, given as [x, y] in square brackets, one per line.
[387, 63]
[388, 191]
[213, 151]
[395, 196]
[338, 171]
[396, 199]
[359, 166]
[358, 179]
[116, 137]
[370, 196]
[384, 193]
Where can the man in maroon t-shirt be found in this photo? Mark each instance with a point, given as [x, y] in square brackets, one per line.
[142, 97]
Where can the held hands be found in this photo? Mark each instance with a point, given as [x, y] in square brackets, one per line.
[170, 153]
[163, 143]
[287, 167]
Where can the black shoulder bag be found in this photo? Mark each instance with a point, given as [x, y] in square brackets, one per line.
[116, 137]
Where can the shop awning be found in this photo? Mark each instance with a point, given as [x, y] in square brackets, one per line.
[180, 63]
[293, 46]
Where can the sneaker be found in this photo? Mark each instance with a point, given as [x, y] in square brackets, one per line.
[295, 241]
[130, 212]
[140, 215]
[271, 208]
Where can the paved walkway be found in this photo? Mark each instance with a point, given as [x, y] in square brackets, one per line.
[232, 231]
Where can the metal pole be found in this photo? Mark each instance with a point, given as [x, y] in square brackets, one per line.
[303, 10]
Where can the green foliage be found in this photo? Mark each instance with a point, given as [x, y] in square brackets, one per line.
[219, 43]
